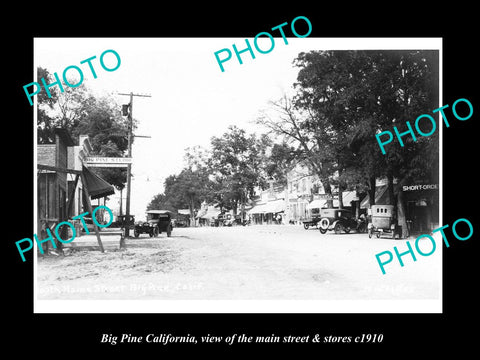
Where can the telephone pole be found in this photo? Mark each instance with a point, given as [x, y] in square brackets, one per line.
[129, 153]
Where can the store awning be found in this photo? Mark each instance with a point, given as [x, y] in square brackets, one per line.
[322, 204]
[347, 196]
[381, 196]
[269, 207]
[97, 187]
[316, 204]
[210, 213]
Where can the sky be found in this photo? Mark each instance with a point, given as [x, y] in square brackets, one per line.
[191, 98]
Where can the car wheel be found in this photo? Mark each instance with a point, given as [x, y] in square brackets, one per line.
[370, 233]
[155, 232]
[305, 226]
[169, 232]
[136, 233]
[324, 224]
[361, 228]
[347, 229]
[338, 228]
[378, 235]
[323, 231]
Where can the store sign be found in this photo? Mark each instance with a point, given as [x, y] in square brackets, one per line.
[325, 196]
[420, 187]
[90, 161]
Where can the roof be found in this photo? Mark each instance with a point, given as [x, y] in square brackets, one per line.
[158, 211]
[319, 203]
[347, 196]
[273, 207]
[211, 212]
[381, 196]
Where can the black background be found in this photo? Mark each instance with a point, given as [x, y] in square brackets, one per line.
[61, 335]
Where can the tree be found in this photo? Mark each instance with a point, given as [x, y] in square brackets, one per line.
[161, 202]
[352, 95]
[107, 129]
[80, 112]
[343, 99]
[45, 123]
[236, 164]
[186, 190]
[278, 161]
[310, 143]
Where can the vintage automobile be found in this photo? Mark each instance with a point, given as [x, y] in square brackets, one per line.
[158, 221]
[338, 220]
[311, 222]
[126, 222]
[383, 222]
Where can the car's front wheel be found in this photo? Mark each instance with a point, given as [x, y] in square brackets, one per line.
[338, 228]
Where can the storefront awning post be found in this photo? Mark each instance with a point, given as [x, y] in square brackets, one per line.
[90, 210]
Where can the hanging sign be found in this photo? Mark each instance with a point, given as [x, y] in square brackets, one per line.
[95, 161]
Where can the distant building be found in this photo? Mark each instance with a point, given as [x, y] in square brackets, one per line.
[303, 187]
[270, 206]
[305, 195]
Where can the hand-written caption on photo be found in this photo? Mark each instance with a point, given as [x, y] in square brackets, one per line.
[166, 339]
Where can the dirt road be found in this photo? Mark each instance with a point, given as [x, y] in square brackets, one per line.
[278, 262]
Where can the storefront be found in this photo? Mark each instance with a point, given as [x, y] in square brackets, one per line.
[52, 184]
[422, 206]
[421, 203]
[60, 185]
[271, 212]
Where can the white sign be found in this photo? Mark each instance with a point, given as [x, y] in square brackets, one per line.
[421, 187]
[96, 161]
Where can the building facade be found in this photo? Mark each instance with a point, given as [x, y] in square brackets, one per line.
[60, 184]
[52, 186]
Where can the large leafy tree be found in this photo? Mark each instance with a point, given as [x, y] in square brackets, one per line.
[80, 112]
[236, 164]
[161, 202]
[278, 161]
[344, 98]
[356, 94]
[187, 190]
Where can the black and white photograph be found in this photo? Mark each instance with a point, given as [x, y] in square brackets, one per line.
[228, 179]
[228, 175]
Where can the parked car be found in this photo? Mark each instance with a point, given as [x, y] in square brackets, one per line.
[312, 222]
[337, 220]
[384, 222]
[125, 222]
[158, 221]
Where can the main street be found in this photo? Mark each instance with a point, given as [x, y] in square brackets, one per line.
[243, 263]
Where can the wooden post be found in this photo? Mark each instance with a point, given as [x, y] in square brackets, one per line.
[71, 195]
[90, 210]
